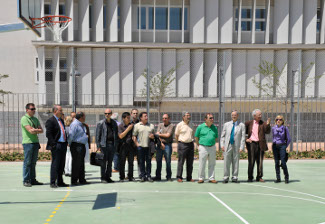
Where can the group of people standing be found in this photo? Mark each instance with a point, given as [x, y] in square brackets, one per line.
[135, 136]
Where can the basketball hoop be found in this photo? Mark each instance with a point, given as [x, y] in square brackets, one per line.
[54, 23]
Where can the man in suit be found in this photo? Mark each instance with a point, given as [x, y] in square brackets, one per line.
[256, 144]
[232, 142]
[57, 143]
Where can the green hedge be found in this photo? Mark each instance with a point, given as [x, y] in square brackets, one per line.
[315, 154]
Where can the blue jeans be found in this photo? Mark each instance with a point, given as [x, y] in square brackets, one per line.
[167, 153]
[30, 159]
[144, 157]
[116, 161]
[279, 153]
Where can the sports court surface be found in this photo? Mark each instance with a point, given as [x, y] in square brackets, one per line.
[301, 201]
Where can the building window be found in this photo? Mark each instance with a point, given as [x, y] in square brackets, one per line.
[246, 19]
[318, 19]
[48, 70]
[47, 9]
[49, 76]
[104, 16]
[63, 70]
[118, 17]
[63, 76]
[90, 14]
[62, 10]
[143, 18]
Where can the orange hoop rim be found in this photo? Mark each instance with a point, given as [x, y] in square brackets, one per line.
[49, 19]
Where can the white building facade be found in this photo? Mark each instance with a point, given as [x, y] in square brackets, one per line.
[112, 42]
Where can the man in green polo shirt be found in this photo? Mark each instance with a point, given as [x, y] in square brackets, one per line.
[205, 138]
[30, 129]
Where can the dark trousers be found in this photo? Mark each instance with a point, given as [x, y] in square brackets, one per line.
[255, 154]
[144, 157]
[126, 151]
[279, 153]
[58, 162]
[106, 168]
[78, 152]
[185, 153]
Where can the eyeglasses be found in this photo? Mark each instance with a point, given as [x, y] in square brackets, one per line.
[278, 119]
[211, 118]
[108, 113]
[164, 118]
[32, 108]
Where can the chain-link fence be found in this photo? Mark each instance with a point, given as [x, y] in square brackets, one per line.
[285, 81]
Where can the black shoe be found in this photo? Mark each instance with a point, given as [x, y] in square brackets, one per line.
[84, 182]
[169, 180]
[225, 181]
[67, 175]
[104, 181]
[110, 180]
[235, 181]
[131, 179]
[27, 184]
[150, 179]
[54, 186]
[156, 178]
[277, 181]
[142, 179]
[63, 185]
[249, 180]
[74, 184]
[286, 181]
[35, 182]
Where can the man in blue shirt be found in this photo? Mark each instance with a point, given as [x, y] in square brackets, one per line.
[57, 143]
[77, 140]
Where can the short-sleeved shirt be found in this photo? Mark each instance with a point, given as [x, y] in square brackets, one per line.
[166, 129]
[184, 132]
[33, 122]
[142, 132]
[207, 135]
[128, 137]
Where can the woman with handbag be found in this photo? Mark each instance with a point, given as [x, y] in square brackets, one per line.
[281, 140]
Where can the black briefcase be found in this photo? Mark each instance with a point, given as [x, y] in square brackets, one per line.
[97, 158]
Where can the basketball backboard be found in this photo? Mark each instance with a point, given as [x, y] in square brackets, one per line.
[28, 9]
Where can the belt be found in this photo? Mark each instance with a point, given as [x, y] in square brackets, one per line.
[185, 142]
[255, 142]
[110, 142]
[77, 143]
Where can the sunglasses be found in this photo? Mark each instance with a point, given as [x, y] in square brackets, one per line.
[32, 108]
[108, 113]
[278, 119]
[211, 118]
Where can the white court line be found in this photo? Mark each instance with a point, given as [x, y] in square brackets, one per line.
[224, 204]
[297, 192]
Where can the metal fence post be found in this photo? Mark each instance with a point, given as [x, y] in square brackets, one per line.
[292, 107]
[221, 103]
[148, 85]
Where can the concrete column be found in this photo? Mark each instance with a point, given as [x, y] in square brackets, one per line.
[267, 21]
[322, 22]
[54, 11]
[240, 4]
[155, 62]
[211, 21]
[266, 56]
[310, 21]
[294, 64]
[225, 61]
[252, 62]
[98, 70]
[70, 63]
[42, 30]
[183, 73]
[197, 21]
[225, 21]
[56, 74]
[84, 83]
[281, 62]
[253, 21]
[210, 73]
[69, 12]
[98, 21]
[320, 70]
[197, 73]
[296, 21]
[308, 75]
[113, 76]
[140, 65]
[126, 20]
[281, 22]
[83, 20]
[168, 63]
[127, 76]
[112, 21]
[41, 73]
[238, 83]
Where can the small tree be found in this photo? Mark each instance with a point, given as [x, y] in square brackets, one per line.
[2, 92]
[159, 86]
[274, 82]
